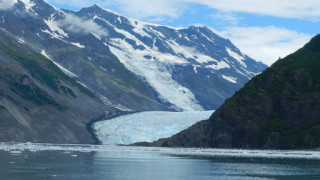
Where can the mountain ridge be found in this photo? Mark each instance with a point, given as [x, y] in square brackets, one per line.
[277, 109]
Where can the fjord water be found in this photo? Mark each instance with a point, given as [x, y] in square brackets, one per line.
[29, 161]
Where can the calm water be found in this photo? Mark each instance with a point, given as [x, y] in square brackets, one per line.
[125, 163]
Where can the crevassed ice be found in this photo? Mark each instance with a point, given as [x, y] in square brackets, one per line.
[158, 75]
[146, 126]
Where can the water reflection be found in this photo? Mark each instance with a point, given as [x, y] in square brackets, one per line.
[121, 165]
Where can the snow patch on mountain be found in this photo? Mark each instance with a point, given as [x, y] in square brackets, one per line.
[78, 45]
[64, 70]
[54, 27]
[219, 65]
[139, 28]
[120, 107]
[190, 52]
[146, 126]
[230, 79]
[54, 35]
[28, 4]
[20, 40]
[236, 56]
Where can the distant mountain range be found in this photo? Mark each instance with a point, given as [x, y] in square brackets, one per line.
[63, 69]
[278, 109]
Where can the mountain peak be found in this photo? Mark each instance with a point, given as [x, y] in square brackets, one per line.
[95, 6]
[314, 42]
[98, 9]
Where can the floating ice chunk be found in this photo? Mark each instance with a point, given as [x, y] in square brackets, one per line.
[267, 154]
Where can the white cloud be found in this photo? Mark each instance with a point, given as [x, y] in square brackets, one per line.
[134, 8]
[266, 44]
[7, 4]
[78, 25]
[154, 8]
[224, 17]
[73, 3]
[299, 9]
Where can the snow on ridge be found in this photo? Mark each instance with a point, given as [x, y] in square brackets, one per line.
[146, 126]
[78, 45]
[125, 33]
[54, 27]
[207, 37]
[236, 56]
[158, 33]
[107, 10]
[96, 35]
[28, 4]
[138, 27]
[53, 34]
[195, 68]
[64, 70]
[138, 21]
[230, 79]
[220, 65]
[21, 40]
[135, 20]
[120, 107]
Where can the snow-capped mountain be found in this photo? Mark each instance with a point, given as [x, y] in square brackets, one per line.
[191, 68]
[131, 65]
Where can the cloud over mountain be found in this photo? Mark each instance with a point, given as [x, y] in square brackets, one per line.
[78, 25]
[7, 4]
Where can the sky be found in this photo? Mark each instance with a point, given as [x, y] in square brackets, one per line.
[265, 30]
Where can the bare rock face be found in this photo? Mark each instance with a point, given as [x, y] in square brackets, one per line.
[278, 109]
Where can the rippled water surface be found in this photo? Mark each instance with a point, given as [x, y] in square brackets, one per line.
[30, 161]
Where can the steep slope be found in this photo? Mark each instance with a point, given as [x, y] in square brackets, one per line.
[38, 101]
[277, 109]
[77, 47]
[191, 68]
[131, 65]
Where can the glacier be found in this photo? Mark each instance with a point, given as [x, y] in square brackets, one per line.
[146, 126]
